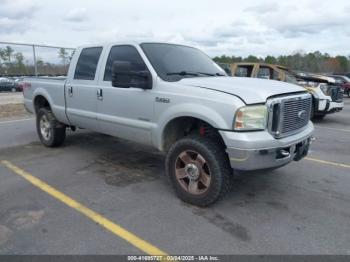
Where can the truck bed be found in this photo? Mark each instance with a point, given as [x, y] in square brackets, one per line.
[53, 88]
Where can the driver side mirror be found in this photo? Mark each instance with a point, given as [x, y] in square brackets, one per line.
[126, 74]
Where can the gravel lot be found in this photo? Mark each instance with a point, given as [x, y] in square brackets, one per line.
[11, 98]
[11, 106]
[302, 208]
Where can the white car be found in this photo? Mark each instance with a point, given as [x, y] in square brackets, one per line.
[327, 94]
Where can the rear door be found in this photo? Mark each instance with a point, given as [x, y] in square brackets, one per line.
[81, 89]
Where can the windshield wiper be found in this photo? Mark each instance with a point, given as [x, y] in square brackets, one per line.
[183, 73]
[210, 74]
[190, 73]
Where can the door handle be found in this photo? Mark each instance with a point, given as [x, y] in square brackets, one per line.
[70, 90]
[99, 93]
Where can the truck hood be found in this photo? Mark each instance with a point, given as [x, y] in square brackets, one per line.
[250, 90]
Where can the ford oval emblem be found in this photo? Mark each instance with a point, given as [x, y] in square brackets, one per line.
[302, 114]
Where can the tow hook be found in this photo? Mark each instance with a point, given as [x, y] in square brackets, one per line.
[282, 153]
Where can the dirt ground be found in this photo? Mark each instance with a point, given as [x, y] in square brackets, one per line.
[11, 106]
[9, 111]
[11, 98]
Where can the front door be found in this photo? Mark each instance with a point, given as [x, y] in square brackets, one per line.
[125, 112]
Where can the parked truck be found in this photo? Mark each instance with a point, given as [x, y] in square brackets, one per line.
[344, 81]
[327, 96]
[176, 99]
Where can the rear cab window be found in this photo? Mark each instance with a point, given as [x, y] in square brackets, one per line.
[87, 63]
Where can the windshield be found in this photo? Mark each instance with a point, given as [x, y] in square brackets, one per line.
[342, 78]
[174, 62]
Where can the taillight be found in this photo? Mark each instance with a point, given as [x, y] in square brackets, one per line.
[25, 85]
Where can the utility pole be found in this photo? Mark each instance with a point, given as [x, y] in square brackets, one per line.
[35, 65]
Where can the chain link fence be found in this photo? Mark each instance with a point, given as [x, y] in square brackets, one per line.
[17, 59]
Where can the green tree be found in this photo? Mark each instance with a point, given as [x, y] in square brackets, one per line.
[313, 62]
[343, 63]
[270, 60]
[2, 55]
[39, 62]
[8, 51]
[62, 53]
[252, 58]
[19, 58]
[19, 64]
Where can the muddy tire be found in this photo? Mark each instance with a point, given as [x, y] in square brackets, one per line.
[199, 170]
[51, 132]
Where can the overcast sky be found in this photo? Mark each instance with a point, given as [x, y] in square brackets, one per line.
[218, 27]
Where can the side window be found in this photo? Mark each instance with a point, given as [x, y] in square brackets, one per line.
[244, 71]
[264, 72]
[226, 67]
[124, 53]
[275, 75]
[339, 80]
[87, 63]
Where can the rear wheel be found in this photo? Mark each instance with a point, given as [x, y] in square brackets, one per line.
[199, 170]
[51, 132]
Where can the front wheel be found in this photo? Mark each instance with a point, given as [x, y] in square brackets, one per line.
[319, 117]
[199, 170]
[51, 132]
[314, 116]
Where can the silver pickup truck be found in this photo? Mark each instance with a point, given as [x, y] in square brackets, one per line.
[176, 99]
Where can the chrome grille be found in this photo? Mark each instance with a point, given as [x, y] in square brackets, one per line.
[287, 115]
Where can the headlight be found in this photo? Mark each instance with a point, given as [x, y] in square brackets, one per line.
[324, 89]
[251, 118]
[311, 84]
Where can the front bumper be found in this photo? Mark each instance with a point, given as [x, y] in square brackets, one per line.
[325, 106]
[260, 150]
[335, 107]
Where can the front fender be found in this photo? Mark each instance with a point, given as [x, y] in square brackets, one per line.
[198, 111]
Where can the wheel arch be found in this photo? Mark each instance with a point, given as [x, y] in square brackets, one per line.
[42, 98]
[40, 101]
[182, 126]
